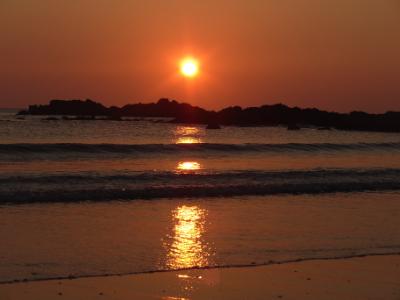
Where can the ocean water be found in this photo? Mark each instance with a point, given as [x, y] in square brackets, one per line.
[80, 198]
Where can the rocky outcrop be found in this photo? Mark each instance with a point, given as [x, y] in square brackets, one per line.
[266, 115]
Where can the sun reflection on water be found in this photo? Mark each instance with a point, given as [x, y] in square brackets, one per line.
[188, 140]
[186, 130]
[188, 135]
[188, 166]
[188, 248]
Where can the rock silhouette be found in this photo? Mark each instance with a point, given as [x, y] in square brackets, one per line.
[266, 115]
[213, 126]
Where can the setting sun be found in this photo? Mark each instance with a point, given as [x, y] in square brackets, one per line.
[189, 67]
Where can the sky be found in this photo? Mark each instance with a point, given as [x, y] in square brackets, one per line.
[340, 55]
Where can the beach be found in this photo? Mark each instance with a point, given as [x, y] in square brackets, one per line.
[372, 277]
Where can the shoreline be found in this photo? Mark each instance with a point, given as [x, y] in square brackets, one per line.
[366, 277]
[206, 268]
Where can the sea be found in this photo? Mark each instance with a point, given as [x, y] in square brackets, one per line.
[91, 198]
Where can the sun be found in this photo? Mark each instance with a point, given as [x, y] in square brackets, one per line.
[189, 67]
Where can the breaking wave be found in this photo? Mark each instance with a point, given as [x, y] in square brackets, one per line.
[200, 147]
[149, 185]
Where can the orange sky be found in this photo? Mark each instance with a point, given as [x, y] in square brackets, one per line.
[337, 55]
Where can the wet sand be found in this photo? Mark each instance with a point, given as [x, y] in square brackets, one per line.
[373, 277]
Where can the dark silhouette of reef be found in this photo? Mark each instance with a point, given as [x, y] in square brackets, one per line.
[267, 115]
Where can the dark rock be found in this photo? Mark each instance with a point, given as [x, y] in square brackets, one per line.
[213, 126]
[114, 118]
[85, 118]
[293, 127]
[266, 115]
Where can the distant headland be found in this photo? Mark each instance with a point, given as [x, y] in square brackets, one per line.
[265, 115]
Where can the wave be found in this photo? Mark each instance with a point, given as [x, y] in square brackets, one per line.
[198, 176]
[150, 185]
[77, 148]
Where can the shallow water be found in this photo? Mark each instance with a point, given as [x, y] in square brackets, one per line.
[214, 197]
[59, 240]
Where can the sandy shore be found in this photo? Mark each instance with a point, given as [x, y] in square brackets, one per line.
[373, 277]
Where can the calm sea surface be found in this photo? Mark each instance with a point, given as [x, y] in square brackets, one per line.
[106, 197]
